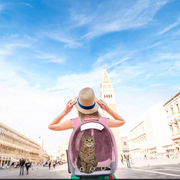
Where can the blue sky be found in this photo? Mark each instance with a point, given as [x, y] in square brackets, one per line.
[49, 50]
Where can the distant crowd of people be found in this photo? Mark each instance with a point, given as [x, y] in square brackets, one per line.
[4, 166]
[22, 163]
[54, 162]
[25, 163]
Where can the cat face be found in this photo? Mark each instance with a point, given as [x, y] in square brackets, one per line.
[88, 141]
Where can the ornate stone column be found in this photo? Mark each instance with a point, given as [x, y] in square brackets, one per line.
[171, 128]
[178, 122]
[175, 127]
[177, 147]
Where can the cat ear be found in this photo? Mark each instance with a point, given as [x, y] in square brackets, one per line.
[93, 136]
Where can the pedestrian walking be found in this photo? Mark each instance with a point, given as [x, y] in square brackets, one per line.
[22, 162]
[12, 164]
[122, 159]
[127, 161]
[28, 165]
[83, 104]
[131, 159]
[49, 164]
[54, 164]
[145, 157]
[31, 165]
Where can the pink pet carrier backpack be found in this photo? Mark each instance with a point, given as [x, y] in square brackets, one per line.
[105, 146]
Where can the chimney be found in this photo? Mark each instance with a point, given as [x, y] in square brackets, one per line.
[172, 96]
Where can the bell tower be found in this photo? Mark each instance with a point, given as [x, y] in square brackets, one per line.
[108, 95]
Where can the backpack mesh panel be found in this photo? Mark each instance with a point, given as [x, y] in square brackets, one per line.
[104, 147]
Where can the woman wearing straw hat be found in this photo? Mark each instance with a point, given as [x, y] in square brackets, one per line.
[87, 106]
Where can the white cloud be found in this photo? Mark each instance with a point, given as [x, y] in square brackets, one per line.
[101, 21]
[118, 59]
[14, 35]
[27, 84]
[65, 37]
[129, 64]
[170, 27]
[51, 58]
[152, 85]
[117, 63]
[1, 7]
[149, 75]
[37, 86]
[167, 55]
[71, 84]
[26, 4]
[54, 89]
[114, 57]
[58, 60]
[154, 45]
[8, 75]
[81, 19]
[10, 48]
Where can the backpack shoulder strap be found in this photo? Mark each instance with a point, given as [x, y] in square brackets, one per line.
[75, 122]
[104, 120]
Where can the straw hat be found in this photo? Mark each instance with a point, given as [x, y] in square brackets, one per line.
[86, 101]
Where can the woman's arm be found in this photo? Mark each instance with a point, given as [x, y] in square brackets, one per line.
[55, 125]
[117, 121]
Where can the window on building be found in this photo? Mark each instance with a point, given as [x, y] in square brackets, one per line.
[125, 143]
[177, 105]
[172, 111]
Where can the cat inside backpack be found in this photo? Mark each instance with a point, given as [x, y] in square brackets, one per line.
[87, 161]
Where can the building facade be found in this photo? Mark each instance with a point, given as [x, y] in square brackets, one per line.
[62, 149]
[107, 94]
[59, 153]
[14, 146]
[138, 145]
[172, 108]
[151, 138]
[125, 145]
[53, 155]
[158, 135]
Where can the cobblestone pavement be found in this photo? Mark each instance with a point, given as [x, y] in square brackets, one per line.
[141, 169]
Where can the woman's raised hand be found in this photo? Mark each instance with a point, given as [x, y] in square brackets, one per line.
[69, 106]
[103, 105]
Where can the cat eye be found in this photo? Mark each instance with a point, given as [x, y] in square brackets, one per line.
[91, 139]
[86, 139]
